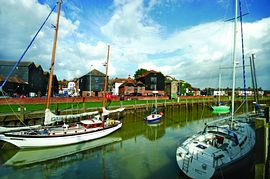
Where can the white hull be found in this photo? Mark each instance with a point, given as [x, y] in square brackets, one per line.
[201, 156]
[153, 118]
[45, 140]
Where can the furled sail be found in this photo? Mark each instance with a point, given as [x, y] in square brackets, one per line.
[106, 112]
[51, 118]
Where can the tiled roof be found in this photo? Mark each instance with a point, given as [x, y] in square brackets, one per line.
[13, 79]
[95, 72]
[147, 73]
[12, 62]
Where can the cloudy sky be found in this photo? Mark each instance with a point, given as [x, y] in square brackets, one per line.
[186, 39]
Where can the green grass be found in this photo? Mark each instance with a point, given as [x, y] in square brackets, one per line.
[80, 105]
[77, 105]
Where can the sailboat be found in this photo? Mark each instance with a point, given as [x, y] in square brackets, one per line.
[221, 107]
[154, 116]
[222, 146]
[50, 136]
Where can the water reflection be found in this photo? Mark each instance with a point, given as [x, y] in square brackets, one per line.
[137, 150]
[23, 157]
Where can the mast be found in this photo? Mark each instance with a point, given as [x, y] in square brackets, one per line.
[234, 56]
[106, 78]
[243, 58]
[219, 79]
[53, 56]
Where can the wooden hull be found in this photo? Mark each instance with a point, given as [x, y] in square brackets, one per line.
[37, 141]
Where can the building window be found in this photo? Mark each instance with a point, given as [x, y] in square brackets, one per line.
[153, 79]
[153, 87]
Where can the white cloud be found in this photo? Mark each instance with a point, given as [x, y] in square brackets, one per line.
[192, 54]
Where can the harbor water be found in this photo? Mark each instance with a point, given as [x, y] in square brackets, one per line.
[137, 150]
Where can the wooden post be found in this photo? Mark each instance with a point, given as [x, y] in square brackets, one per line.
[22, 113]
[84, 108]
[262, 140]
[56, 108]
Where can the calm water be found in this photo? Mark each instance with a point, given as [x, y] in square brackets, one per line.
[137, 150]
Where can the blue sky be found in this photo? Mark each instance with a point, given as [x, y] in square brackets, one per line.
[186, 39]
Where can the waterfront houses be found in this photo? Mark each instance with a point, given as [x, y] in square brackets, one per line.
[153, 81]
[92, 83]
[28, 79]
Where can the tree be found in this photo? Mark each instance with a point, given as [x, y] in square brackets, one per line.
[140, 72]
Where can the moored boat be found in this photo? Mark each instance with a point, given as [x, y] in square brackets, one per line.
[50, 135]
[154, 116]
[216, 149]
[222, 145]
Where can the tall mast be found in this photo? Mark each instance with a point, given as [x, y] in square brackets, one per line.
[53, 56]
[106, 78]
[219, 79]
[243, 58]
[234, 55]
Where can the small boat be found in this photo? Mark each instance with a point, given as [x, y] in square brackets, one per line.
[221, 108]
[154, 116]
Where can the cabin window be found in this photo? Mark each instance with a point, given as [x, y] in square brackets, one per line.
[201, 146]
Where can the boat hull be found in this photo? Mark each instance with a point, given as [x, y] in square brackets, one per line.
[37, 141]
[220, 172]
[221, 108]
[198, 159]
[152, 118]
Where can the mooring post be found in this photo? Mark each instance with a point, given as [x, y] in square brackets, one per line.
[22, 110]
[84, 108]
[56, 108]
[262, 140]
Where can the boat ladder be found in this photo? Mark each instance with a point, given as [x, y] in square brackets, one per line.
[186, 163]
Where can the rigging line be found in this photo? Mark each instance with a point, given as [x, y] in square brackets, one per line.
[17, 63]
[17, 116]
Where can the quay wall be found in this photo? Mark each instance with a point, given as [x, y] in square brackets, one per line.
[42, 100]
[37, 117]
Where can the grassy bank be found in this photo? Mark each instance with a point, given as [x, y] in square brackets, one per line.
[10, 108]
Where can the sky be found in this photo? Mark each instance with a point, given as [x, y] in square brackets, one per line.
[186, 39]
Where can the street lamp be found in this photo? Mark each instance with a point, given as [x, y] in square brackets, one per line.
[90, 80]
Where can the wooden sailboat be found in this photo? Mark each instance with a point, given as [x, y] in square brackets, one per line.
[48, 136]
[222, 146]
